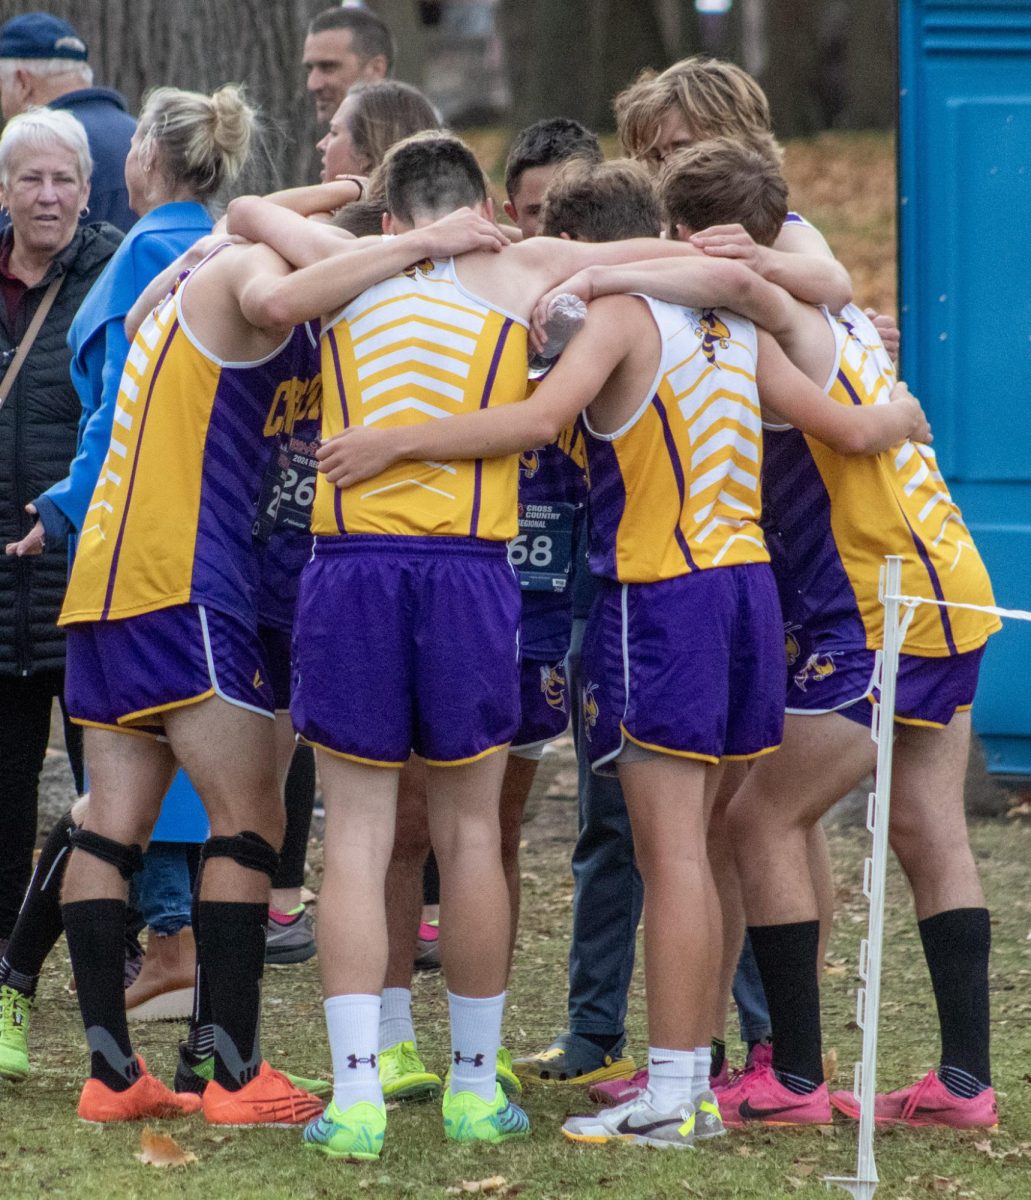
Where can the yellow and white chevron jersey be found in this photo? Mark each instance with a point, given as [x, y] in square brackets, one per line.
[415, 348]
[676, 489]
[831, 520]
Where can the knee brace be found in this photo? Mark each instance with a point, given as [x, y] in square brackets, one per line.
[127, 860]
[246, 849]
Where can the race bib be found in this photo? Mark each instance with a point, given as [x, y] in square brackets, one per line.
[542, 552]
[288, 489]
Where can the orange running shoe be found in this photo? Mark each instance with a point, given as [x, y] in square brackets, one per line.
[147, 1099]
[269, 1099]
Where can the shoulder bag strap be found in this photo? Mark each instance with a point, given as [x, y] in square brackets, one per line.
[25, 345]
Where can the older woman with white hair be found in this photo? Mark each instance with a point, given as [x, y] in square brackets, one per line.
[48, 262]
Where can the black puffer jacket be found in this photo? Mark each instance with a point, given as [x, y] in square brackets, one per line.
[38, 425]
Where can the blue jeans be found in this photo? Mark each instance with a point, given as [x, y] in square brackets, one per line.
[163, 890]
[608, 895]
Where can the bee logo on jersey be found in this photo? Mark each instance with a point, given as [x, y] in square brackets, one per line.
[791, 647]
[425, 266]
[713, 333]
[589, 706]
[817, 667]
[529, 463]
[553, 687]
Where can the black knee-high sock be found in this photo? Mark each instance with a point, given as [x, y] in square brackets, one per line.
[956, 945]
[231, 950]
[96, 941]
[201, 1039]
[299, 795]
[787, 960]
[39, 923]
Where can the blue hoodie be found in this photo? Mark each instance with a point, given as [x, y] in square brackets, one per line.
[109, 128]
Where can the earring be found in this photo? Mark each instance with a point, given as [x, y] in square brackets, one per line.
[84, 211]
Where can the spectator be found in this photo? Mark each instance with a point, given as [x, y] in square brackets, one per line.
[46, 257]
[343, 46]
[43, 62]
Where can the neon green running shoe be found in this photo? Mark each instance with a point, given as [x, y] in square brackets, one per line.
[510, 1082]
[193, 1074]
[403, 1074]
[14, 1034]
[467, 1118]
[355, 1134]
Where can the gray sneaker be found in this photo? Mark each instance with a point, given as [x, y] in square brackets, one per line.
[292, 942]
[636, 1122]
[708, 1121]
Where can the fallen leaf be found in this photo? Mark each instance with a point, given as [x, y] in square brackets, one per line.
[830, 1065]
[160, 1150]
[495, 1185]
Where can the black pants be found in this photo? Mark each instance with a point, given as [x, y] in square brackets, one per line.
[25, 706]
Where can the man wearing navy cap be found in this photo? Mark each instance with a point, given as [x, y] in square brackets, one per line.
[43, 62]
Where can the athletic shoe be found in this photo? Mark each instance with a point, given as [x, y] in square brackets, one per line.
[760, 1055]
[291, 940]
[508, 1079]
[723, 1076]
[637, 1122]
[269, 1099]
[619, 1091]
[15, 1007]
[759, 1098]
[467, 1118]
[708, 1119]
[193, 1074]
[427, 946]
[571, 1059]
[147, 1099]
[926, 1102]
[163, 989]
[354, 1134]
[403, 1074]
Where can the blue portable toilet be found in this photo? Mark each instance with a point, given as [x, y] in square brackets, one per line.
[964, 158]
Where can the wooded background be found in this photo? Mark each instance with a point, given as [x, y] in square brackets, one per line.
[824, 63]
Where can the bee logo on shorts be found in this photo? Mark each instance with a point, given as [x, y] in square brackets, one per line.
[817, 668]
[425, 266]
[553, 686]
[529, 463]
[713, 333]
[791, 647]
[589, 705]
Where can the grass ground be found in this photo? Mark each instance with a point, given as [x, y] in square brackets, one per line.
[844, 184]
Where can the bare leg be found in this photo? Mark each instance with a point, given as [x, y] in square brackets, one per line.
[360, 805]
[474, 902]
[823, 883]
[404, 874]
[666, 800]
[515, 791]
[728, 889]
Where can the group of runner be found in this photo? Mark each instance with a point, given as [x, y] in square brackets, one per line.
[721, 438]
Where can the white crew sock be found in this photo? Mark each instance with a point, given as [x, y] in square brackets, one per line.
[702, 1065]
[352, 1023]
[395, 1018]
[670, 1077]
[475, 1039]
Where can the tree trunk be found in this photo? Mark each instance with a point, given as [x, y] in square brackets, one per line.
[871, 65]
[792, 65]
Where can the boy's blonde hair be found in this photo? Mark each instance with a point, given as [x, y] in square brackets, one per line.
[715, 99]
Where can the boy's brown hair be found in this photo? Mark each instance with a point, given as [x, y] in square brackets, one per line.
[715, 99]
[723, 182]
[601, 202]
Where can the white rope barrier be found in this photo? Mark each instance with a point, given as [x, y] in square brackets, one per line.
[863, 1184]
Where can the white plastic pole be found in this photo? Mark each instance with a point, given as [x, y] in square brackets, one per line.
[868, 999]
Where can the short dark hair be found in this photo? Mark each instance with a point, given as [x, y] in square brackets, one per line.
[726, 181]
[431, 174]
[371, 34]
[363, 218]
[546, 142]
[602, 202]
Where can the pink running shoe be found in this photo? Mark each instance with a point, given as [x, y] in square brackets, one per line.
[926, 1102]
[724, 1077]
[618, 1091]
[760, 1055]
[759, 1098]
